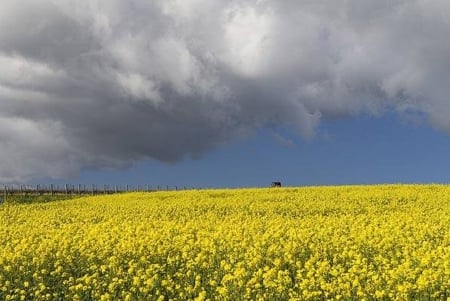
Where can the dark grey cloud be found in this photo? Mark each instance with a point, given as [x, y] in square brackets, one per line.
[102, 84]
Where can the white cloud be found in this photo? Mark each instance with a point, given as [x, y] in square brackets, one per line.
[109, 82]
[248, 34]
[33, 149]
[138, 87]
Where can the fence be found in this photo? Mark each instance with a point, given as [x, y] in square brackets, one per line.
[81, 189]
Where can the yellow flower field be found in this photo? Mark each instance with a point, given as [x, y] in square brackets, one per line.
[386, 242]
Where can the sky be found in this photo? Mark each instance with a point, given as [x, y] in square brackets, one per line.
[224, 93]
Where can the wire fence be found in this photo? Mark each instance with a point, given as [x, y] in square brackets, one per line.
[81, 189]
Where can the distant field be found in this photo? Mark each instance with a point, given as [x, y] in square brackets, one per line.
[388, 242]
[28, 199]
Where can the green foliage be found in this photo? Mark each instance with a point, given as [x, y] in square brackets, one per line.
[33, 198]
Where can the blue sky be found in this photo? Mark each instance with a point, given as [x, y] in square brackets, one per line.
[361, 150]
[303, 92]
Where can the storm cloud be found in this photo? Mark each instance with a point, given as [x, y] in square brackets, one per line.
[102, 84]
